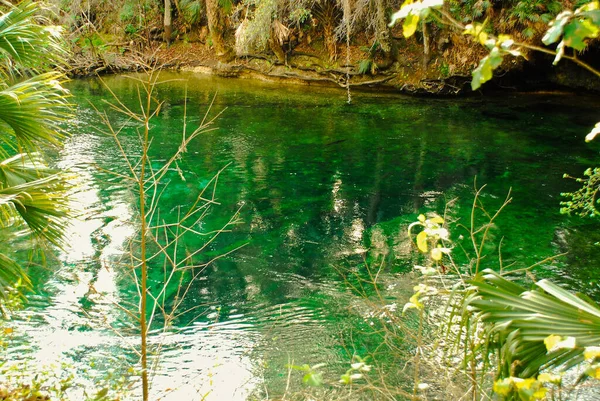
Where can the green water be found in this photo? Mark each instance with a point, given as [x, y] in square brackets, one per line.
[322, 186]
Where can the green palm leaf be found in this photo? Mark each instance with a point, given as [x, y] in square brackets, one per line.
[31, 112]
[42, 204]
[27, 44]
[524, 318]
[10, 274]
[22, 168]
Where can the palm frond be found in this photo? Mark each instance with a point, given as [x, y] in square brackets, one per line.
[27, 44]
[22, 168]
[42, 204]
[32, 111]
[525, 318]
[10, 274]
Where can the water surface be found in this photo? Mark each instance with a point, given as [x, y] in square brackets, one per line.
[322, 186]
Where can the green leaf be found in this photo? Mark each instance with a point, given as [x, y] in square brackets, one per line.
[593, 16]
[577, 31]
[534, 322]
[409, 26]
[101, 395]
[556, 28]
[364, 67]
[313, 379]
[484, 71]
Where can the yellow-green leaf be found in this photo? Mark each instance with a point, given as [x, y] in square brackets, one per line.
[503, 387]
[549, 378]
[422, 241]
[576, 32]
[540, 393]
[556, 342]
[409, 27]
[525, 384]
[593, 371]
[551, 341]
[437, 220]
[591, 352]
[594, 5]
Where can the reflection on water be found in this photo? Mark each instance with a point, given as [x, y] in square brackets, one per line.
[323, 186]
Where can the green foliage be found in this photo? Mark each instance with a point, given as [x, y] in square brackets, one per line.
[226, 6]
[368, 64]
[128, 11]
[498, 48]
[95, 43]
[131, 29]
[583, 201]
[526, 323]
[191, 10]
[25, 43]
[412, 12]
[25, 381]
[575, 28]
[532, 11]
[253, 33]
[31, 111]
[300, 15]
[312, 375]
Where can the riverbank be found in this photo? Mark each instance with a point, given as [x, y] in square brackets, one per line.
[306, 67]
[302, 68]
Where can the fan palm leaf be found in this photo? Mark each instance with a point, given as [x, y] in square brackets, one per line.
[41, 204]
[10, 274]
[31, 112]
[522, 319]
[22, 168]
[33, 105]
[25, 43]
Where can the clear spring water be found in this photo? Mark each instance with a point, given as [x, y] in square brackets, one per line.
[321, 185]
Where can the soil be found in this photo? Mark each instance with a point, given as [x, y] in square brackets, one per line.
[303, 66]
[446, 74]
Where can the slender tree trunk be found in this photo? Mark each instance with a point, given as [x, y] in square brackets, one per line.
[143, 258]
[168, 28]
[425, 47]
[216, 28]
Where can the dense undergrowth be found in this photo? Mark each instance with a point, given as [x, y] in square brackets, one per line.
[339, 36]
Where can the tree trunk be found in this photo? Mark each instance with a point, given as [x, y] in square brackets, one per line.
[425, 46]
[383, 35]
[216, 28]
[277, 49]
[167, 21]
[330, 40]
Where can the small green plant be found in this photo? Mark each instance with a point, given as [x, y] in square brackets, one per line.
[131, 29]
[368, 64]
[444, 70]
[312, 374]
[584, 201]
[356, 371]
